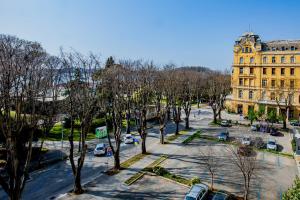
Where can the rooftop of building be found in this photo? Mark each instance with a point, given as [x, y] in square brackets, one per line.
[273, 45]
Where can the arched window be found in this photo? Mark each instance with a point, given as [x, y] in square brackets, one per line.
[251, 60]
[282, 59]
[265, 60]
[241, 60]
[250, 94]
[273, 59]
[292, 59]
[247, 49]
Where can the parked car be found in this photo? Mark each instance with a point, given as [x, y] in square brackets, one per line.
[225, 123]
[274, 132]
[223, 136]
[295, 123]
[272, 145]
[128, 139]
[254, 128]
[246, 140]
[220, 195]
[100, 149]
[197, 192]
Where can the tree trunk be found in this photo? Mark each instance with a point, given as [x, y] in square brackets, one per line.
[219, 114]
[212, 182]
[128, 122]
[15, 194]
[80, 138]
[168, 114]
[77, 185]
[117, 164]
[162, 137]
[284, 121]
[187, 123]
[177, 128]
[215, 116]
[144, 151]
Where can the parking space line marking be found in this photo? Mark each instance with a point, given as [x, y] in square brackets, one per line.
[278, 161]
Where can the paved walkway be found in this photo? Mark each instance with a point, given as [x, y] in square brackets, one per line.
[107, 187]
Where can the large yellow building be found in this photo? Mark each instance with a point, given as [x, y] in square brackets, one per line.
[266, 73]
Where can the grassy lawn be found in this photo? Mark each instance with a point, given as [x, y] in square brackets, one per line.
[133, 160]
[126, 164]
[174, 137]
[192, 137]
[56, 132]
[140, 174]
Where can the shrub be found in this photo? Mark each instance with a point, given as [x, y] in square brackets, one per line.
[160, 171]
[195, 180]
[293, 192]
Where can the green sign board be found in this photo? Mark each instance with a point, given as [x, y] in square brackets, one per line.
[101, 132]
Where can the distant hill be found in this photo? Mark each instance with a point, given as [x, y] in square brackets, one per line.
[196, 68]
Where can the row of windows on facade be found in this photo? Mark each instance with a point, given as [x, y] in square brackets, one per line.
[249, 49]
[265, 60]
[272, 96]
[273, 83]
[273, 71]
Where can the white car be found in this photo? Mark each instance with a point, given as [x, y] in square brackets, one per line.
[197, 192]
[100, 149]
[272, 144]
[128, 139]
[253, 128]
[225, 123]
[246, 140]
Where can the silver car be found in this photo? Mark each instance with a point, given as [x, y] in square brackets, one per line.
[246, 140]
[100, 149]
[272, 145]
[197, 192]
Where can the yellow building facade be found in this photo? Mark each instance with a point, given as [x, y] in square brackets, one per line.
[265, 73]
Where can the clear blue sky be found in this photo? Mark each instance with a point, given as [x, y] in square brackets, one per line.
[185, 32]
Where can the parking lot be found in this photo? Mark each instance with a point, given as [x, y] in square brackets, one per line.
[238, 132]
[273, 176]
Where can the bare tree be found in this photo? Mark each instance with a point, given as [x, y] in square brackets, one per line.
[114, 90]
[143, 98]
[20, 85]
[210, 160]
[48, 102]
[81, 103]
[246, 163]
[188, 88]
[218, 88]
[284, 98]
[160, 91]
